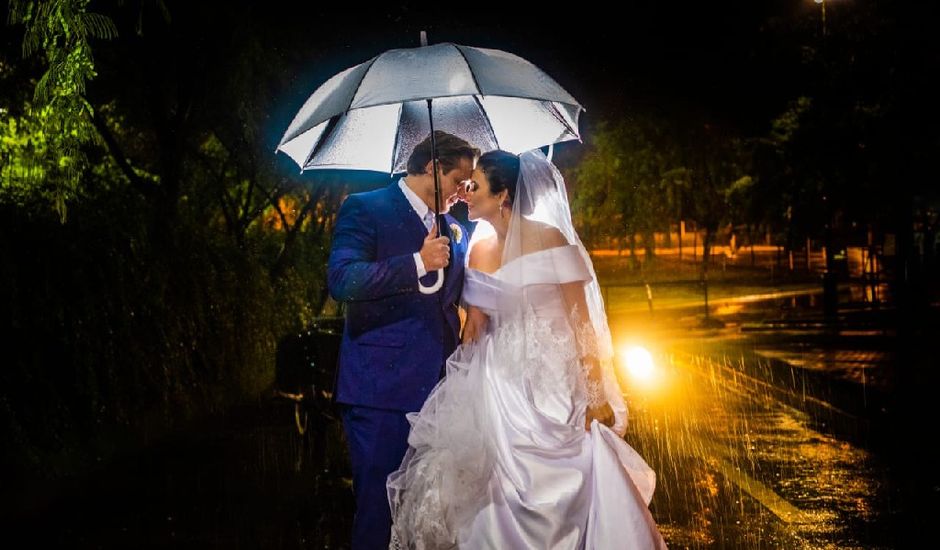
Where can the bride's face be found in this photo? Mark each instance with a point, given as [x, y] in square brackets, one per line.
[481, 202]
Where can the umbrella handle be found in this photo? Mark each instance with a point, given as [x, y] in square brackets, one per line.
[435, 287]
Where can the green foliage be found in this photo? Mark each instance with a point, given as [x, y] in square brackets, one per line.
[619, 179]
[642, 174]
[832, 150]
[186, 257]
[638, 176]
[59, 31]
[784, 127]
[597, 187]
[39, 163]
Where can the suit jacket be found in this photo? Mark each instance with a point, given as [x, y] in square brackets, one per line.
[395, 339]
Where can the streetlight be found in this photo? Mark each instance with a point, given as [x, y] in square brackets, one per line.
[639, 363]
[822, 7]
[830, 282]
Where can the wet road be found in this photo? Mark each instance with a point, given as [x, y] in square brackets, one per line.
[739, 468]
[762, 435]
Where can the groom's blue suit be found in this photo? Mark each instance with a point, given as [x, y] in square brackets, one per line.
[395, 339]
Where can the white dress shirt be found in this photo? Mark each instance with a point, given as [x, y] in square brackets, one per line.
[421, 209]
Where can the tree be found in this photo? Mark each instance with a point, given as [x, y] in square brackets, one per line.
[49, 163]
[714, 161]
[596, 180]
[189, 249]
[620, 182]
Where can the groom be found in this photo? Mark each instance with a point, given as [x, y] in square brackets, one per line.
[395, 339]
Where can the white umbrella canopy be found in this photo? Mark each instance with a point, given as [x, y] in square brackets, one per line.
[371, 116]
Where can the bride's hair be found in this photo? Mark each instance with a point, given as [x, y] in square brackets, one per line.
[502, 172]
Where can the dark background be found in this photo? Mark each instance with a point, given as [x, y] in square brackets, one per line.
[163, 296]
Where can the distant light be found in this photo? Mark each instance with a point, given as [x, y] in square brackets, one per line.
[639, 363]
[728, 309]
[819, 1]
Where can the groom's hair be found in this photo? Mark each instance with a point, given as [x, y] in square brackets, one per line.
[450, 149]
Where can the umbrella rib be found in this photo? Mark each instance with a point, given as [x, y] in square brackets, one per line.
[561, 119]
[469, 68]
[401, 110]
[476, 97]
[436, 97]
[330, 126]
[359, 84]
[486, 117]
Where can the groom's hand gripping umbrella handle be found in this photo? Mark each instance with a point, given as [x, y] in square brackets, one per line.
[435, 287]
[435, 252]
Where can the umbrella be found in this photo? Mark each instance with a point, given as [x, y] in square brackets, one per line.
[370, 117]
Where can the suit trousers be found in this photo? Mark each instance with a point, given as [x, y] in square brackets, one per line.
[377, 440]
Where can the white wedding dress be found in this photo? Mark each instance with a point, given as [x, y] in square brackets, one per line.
[499, 457]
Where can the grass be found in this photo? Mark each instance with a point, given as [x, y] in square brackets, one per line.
[677, 284]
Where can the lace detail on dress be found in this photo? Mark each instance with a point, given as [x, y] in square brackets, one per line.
[594, 392]
[543, 352]
[584, 331]
[427, 519]
[590, 355]
[448, 463]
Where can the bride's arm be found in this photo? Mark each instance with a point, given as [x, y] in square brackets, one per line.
[474, 325]
[585, 338]
[475, 322]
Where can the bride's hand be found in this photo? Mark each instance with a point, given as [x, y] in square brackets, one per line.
[475, 324]
[603, 414]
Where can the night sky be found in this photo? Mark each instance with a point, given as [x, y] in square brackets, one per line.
[733, 63]
[722, 58]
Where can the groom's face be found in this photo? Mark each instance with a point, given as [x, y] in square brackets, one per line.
[453, 183]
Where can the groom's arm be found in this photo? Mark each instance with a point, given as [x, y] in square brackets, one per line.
[353, 273]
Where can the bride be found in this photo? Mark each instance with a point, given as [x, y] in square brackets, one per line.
[520, 445]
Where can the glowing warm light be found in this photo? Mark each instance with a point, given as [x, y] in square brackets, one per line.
[639, 362]
[728, 309]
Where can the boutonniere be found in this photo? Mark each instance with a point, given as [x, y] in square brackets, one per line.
[456, 232]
